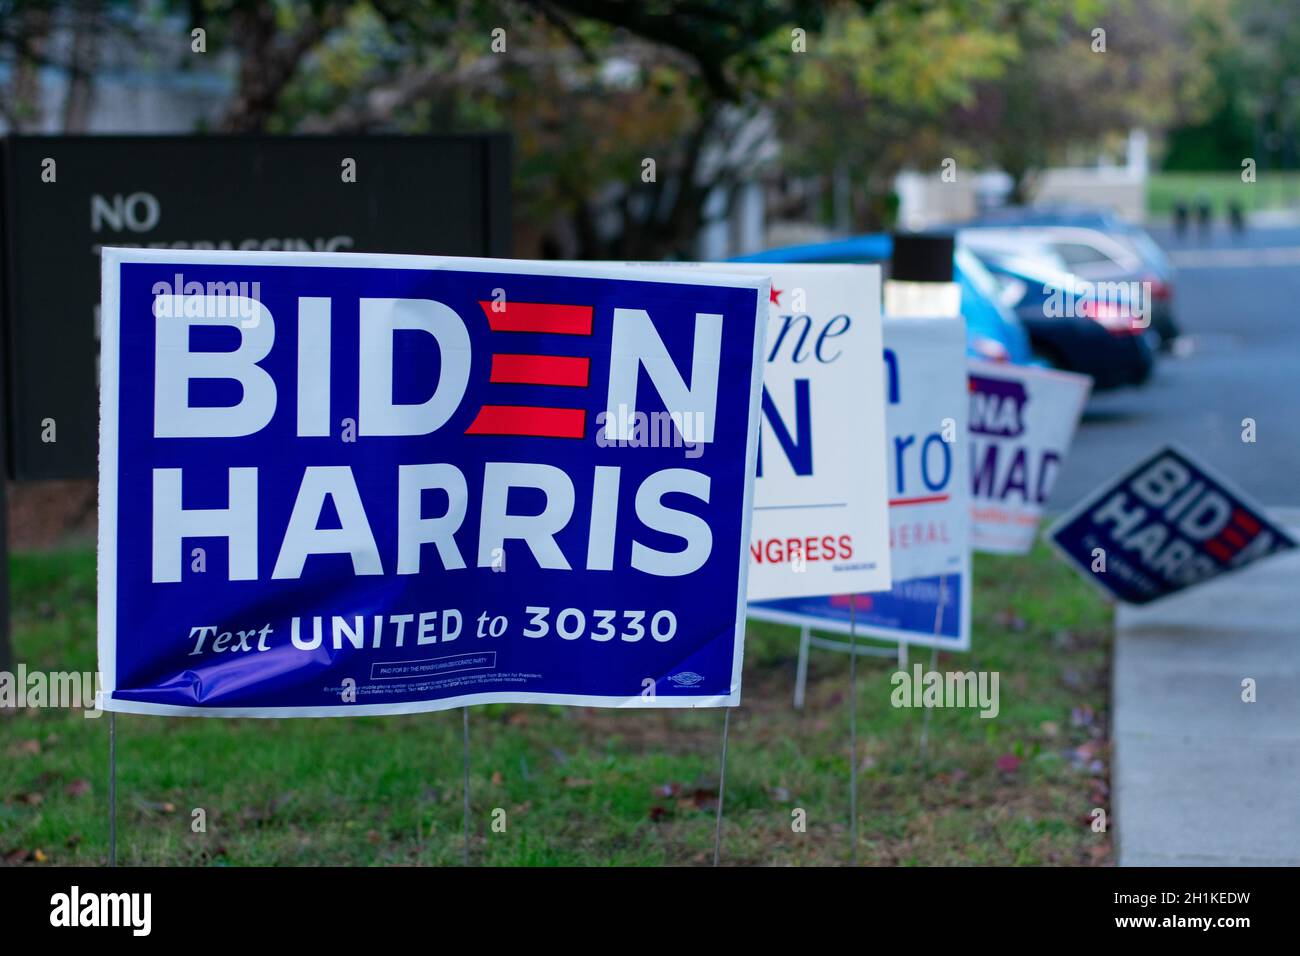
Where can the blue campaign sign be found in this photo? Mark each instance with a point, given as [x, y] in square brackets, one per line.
[931, 612]
[337, 484]
[1164, 525]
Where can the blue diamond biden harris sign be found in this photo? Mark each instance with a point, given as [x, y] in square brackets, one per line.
[356, 484]
[1166, 524]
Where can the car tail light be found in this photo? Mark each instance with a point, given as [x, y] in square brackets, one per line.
[990, 349]
[1114, 318]
[1160, 289]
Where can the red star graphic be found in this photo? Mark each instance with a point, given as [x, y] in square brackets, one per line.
[775, 295]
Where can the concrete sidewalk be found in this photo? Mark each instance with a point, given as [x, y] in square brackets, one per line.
[1199, 776]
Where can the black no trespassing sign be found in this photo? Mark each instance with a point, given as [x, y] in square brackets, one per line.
[66, 197]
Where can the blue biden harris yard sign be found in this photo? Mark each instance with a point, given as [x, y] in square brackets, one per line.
[1166, 524]
[340, 484]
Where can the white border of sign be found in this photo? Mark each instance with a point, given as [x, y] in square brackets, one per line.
[113, 258]
[1094, 496]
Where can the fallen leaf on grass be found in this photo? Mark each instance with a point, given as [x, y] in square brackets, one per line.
[39, 855]
[496, 778]
[1088, 756]
[25, 748]
[1010, 620]
[704, 799]
[577, 783]
[77, 788]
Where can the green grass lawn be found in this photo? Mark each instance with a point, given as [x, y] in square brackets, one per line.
[586, 786]
[1271, 190]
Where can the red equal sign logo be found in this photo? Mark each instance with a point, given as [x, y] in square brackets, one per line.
[1238, 533]
[861, 602]
[516, 368]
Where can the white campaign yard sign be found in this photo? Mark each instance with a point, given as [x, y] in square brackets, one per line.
[820, 501]
[821, 518]
[929, 495]
[1022, 420]
[925, 413]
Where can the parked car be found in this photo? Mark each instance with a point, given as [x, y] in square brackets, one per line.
[1095, 245]
[1069, 325]
[992, 330]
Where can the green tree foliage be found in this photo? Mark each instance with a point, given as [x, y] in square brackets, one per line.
[1253, 106]
[873, 91]
[833, 95]
[592, 90]
[1085, 72]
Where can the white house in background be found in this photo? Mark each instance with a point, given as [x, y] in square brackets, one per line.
[926, 200]
[749, 148]
[139, 83]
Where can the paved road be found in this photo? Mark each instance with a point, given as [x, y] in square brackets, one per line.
[1202, 777]
[1238, 300]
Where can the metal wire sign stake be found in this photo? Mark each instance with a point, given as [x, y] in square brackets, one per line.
[112, 789]
[465, 768]
[722, 785]
[934, 660]
[853, 730]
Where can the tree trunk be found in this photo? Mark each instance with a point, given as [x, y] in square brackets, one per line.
[25, 108]
[81, 83]
[253, 29]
